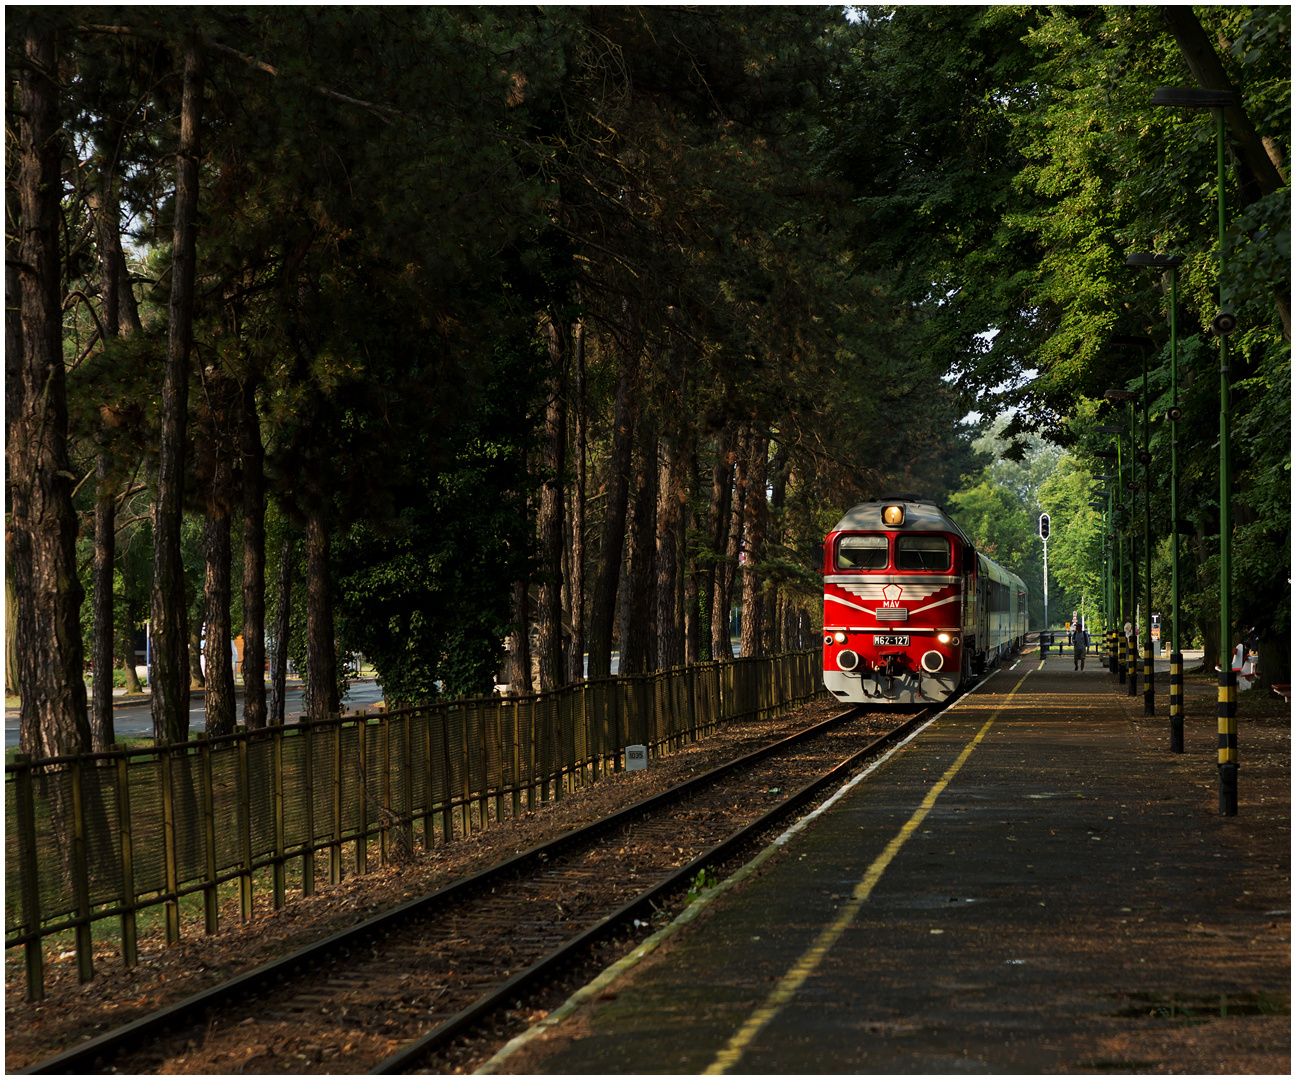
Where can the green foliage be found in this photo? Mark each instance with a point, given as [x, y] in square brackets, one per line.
[425, 591]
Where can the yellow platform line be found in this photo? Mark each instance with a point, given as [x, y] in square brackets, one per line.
[813, 957]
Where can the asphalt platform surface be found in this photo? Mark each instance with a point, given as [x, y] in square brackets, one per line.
[1033, 883]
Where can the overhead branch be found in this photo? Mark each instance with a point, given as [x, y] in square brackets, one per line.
[1205, 65]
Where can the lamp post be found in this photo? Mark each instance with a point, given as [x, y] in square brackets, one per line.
[1224, 323]
[1109, 547]
[1170, 264]
[1125, 481]
[1144, 346]
[1101, 508]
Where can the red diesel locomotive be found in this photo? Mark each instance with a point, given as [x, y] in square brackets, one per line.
[911, 609]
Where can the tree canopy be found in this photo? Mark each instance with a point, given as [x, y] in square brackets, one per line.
[575, 328]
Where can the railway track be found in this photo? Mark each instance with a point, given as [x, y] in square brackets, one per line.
[438, 982]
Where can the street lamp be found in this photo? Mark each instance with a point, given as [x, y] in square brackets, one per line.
[1109, 551]
[1122, 644]
[1224, 323]
[1144, 345]
[1101, 507]
[1171, 264]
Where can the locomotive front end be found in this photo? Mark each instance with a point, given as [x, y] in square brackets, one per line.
[893, 604]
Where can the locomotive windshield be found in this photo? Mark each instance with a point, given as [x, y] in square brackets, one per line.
[922, 552]
[862, 552]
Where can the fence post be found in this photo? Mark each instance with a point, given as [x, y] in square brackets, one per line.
[278, 875]
[407, 788]
[447, 811]
[362, 763]
[81, 878]
[465, 759]
[515, 780]
[130, 940]
[384, 829]
[171, 907]
[244, 827]
[25, 807]
[307, 733]
[429, 799]
[335, 848]
[210, 907]
[499, 756]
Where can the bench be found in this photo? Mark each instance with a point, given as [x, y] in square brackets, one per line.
[1283, 690]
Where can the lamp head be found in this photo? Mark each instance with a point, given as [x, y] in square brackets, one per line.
[1192, 97]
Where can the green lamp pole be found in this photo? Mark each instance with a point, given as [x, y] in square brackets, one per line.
[1223, 324]
[1119, 541]
[1131, 486]
[1170, 264]
[1144, 346]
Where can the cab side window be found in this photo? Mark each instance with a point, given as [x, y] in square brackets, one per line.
[922, 552]
[862, 552]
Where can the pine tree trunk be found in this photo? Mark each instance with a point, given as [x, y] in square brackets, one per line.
[102, 734]
[126, 634]
[550, 519]
[638, 638]
[283, 627]
[754, 531]
[42, 526]
[170, 683]
[219, 697]
[321, 655]
[193, 654]
[520, 641]
[727, 578]
[252, 456]
[107, 220]
[576, 588]
[717, 527]
[694, 613]
[603, 605]
[670, 652]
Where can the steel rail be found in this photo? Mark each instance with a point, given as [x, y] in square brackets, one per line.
[642, 904]
[85, 1056]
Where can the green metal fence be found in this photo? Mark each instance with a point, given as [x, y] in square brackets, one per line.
[108, 836]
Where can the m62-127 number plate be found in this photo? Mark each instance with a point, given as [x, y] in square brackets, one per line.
[901, 640]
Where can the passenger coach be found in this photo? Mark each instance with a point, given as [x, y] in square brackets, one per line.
[911, 609]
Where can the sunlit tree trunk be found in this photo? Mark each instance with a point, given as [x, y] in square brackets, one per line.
[321, 652]
[637, 629]
[576, 589]
[722, 474]
[42, 526]
[252, 456]
[170, 683]
[756, 522]
[550, 519]
[603, 603]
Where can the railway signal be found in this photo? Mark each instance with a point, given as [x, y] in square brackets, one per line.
[1044, 524]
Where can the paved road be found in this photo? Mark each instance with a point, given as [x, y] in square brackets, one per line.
[135, 720]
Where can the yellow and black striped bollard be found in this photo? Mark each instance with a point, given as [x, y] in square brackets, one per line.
[1133, 667]
[1176, 703]
[1149, 684]
[1111, 651]
[1228, 755]
[1121, 646]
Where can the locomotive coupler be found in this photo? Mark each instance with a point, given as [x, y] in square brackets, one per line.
[891, 670]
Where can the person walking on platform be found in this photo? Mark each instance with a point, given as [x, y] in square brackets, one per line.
[1079, 645]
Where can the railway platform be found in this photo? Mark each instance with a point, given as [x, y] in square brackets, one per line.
[1033, 882]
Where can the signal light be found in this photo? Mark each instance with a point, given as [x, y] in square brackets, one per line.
[839, 637]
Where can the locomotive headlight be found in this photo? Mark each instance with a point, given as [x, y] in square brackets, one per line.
[893, 515]
[839, 637]
[943, 638]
